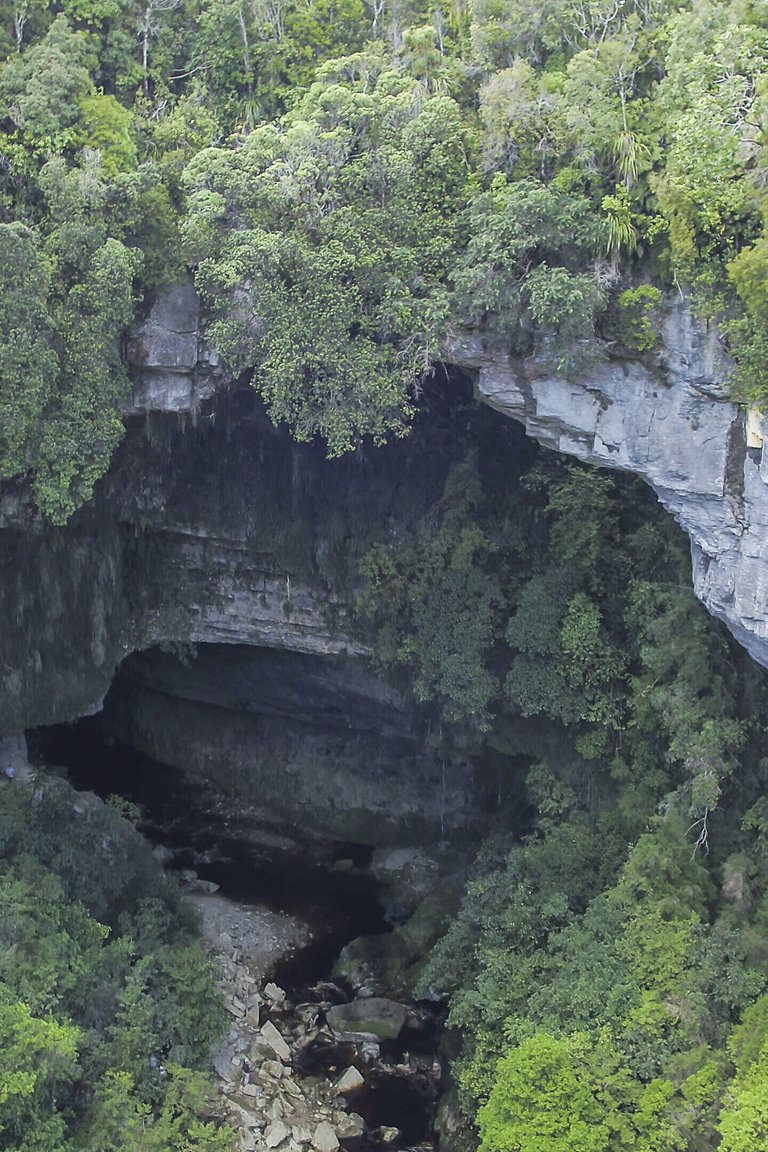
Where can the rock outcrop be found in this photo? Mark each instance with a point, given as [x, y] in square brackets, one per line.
[672, 424]
[669, 422]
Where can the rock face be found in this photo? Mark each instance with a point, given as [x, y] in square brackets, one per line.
[305, 744]
[173, 370]
[214, 528]
[216, 567]
[671, 424]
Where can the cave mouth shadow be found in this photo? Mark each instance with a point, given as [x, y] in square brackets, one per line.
[329, 885]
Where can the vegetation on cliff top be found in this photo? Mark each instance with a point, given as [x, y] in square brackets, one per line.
[352, 180]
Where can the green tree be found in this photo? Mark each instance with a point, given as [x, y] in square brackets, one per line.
[321, 245]
[39, 1058]
[28, 361]
[568, 1095]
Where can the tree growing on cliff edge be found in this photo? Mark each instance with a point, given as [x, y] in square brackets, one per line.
[321, 245]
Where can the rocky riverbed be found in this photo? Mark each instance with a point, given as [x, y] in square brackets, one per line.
[300, 1073]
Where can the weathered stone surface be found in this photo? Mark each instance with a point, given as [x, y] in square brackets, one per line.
[373, 1016]
[275, 1041]
[350, 1126]
[169, 371]
[324, 1138]
[350, 1081]
[672, 425]
[275, 1134]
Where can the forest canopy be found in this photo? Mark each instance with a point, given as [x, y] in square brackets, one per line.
[351, 182]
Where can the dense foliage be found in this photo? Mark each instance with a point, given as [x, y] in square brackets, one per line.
[107, 1000]
[351, 181]
[599, 967]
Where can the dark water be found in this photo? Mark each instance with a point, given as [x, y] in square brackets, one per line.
[338, 903]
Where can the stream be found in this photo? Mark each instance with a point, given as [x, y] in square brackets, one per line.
[277, 921]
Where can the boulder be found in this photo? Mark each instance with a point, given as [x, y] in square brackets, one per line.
[349, 1081]
[324, 1138]
[350, 1126]
[276, 1133]
[372, 1018]
[275, 1041]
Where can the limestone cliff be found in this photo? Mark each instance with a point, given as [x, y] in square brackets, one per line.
[671, 423]
[224, 556]
[668, 420]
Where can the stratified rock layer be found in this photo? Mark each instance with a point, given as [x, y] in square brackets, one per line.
[669, 422]
[672, 424]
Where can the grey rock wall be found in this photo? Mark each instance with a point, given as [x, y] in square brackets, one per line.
[671, 424]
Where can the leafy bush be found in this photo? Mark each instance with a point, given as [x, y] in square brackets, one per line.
[101, 969]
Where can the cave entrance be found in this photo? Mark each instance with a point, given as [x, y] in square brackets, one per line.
[325, 882]
[327, 886]
[300, 780]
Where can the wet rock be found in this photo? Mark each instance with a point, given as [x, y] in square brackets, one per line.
[325, 1138]
[275, 1041]
[372, 1018]
[455, 1131]
[349, 1081]
[392, 964]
